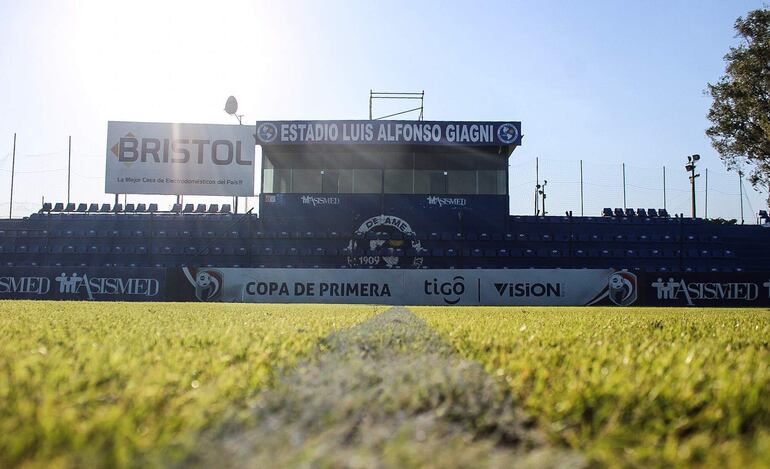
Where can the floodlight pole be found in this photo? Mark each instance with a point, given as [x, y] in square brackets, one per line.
[690, 167]
[537, 186]
[13, 171]
[692, 188]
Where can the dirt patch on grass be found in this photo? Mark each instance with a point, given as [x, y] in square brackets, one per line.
[387, 393]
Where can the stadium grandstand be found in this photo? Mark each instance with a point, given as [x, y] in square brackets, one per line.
[432, 203]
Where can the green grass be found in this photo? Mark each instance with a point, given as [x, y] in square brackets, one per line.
[630, 387]
[117, 384]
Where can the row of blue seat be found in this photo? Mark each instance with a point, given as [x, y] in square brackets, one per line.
[65, 264]
[61, 207]
[379, 251]
[664, 237]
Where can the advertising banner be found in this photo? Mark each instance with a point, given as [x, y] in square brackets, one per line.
[409, 287]
[174, 159]
[387, 132]
[83, 283]
[707, 289]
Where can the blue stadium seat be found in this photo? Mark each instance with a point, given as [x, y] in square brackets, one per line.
[213, 208]
[105, 208]
[188, 208]
[93, 208]
[58, 207]
[225, 208]
[130, 208]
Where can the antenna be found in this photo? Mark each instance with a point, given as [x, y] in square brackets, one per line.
[392, 95]
[231, 107]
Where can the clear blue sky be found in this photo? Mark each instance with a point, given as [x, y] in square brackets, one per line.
[602, 81]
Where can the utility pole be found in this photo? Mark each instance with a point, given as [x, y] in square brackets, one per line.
[740, 189]
[706, 202]
[581, 188]
[624, 186]
[69, 168]
[13, 171]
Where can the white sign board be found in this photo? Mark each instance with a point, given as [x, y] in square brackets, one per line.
[174, 159]
[413, 286]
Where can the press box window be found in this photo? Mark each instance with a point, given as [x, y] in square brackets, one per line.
[367, 181]
[399, 181]
[305, 181]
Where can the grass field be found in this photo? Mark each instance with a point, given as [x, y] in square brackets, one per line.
[632, 387]
[117, 385]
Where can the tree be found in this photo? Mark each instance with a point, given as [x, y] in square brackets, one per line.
[740, 113]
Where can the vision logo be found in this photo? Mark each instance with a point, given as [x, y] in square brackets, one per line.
[622, 288]
[266, 132]
[208, 283]
[529, 290]
[507, 133]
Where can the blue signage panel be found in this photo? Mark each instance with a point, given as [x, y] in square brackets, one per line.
[388, 132]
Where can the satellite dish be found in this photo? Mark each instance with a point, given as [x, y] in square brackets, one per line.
[231, 106]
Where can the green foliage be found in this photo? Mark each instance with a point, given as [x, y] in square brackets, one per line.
[631, 387]
[740, 112]
[722, 221]
[118, 384]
